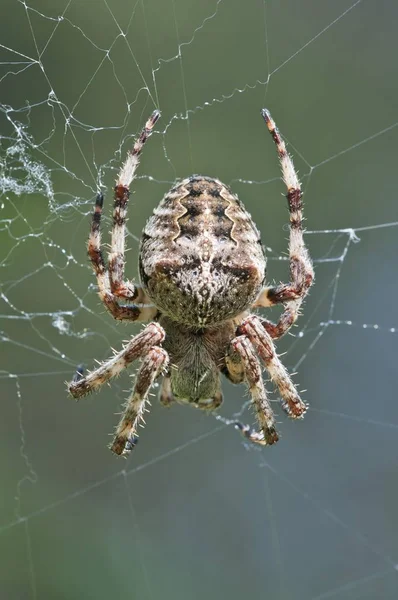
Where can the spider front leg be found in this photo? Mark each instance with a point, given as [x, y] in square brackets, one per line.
[301, 270]
[252, 327]
[139, 346]
[119, 287]
[242, 355]
[111, 285]
[153, 364]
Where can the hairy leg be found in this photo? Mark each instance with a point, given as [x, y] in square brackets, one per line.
[139, 346]
[241, 347]
[119, 287]
[301, 271]
[131, 312]
[253, 329]
[111, 285]
[166, 395]
[155, 361]
[285, 321]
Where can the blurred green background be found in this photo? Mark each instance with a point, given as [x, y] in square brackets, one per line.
[194, 513]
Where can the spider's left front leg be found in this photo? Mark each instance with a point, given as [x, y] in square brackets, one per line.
[253, 328]
[121, 288]
[111, 285]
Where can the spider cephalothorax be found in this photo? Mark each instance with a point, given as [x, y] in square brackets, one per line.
[202, 269]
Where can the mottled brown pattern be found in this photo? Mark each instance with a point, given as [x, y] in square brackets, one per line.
[202, 268]
[198, 249]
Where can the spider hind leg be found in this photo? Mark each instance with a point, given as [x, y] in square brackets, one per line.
[126, 433]
[242, 350]
[253, 329]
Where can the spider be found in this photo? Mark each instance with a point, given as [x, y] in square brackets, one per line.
[202, 270]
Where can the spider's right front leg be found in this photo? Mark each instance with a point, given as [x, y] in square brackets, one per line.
[242, 354]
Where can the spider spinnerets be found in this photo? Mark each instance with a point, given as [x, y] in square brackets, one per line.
[202, 269]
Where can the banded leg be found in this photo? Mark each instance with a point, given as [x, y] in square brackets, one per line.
[301, 270]
[286, 320]
[242, 348]
[120, 287]
[111, 286]
[140, 345]
[264, 346]
[117, 310]
[126, 435]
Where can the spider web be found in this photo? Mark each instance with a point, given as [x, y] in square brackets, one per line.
[195, 512]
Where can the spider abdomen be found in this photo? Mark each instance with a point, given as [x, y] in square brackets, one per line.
[201, 258]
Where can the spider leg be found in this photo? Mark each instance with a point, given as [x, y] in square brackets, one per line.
[286, 320]
[301, 271]
[256, 437]
[152, 365]
[166, 395]
[242, 349]
[291, 402]
[131, 312]
[138, 346]
[111, 286]
[120, 287]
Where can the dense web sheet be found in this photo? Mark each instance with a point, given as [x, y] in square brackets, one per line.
[195, 510]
